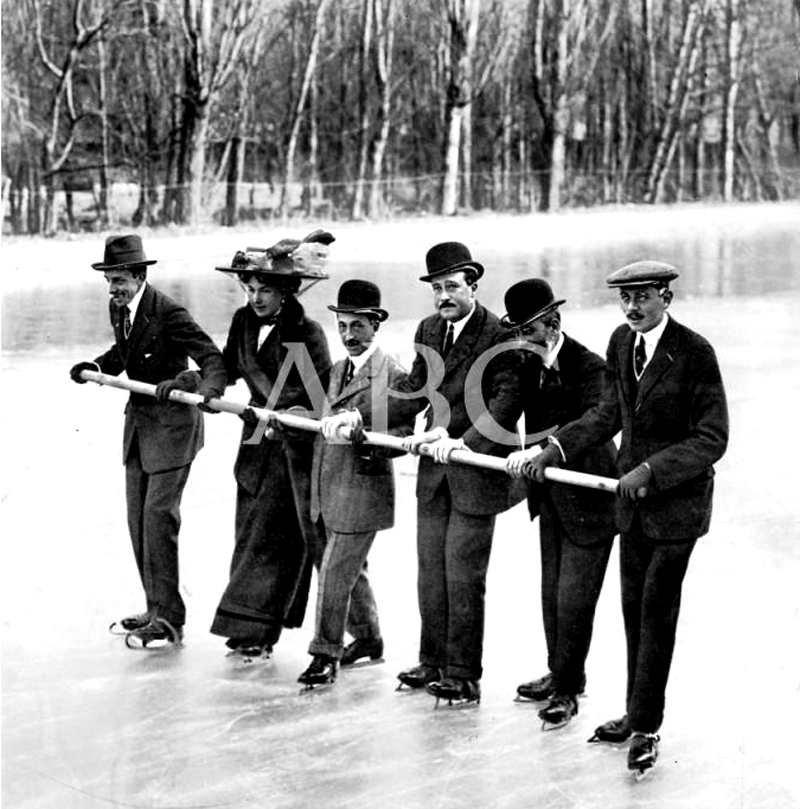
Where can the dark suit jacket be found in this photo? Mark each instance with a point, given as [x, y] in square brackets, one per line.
[586, 515]
[352, 488]
[676, 419]
[494, 391]
[163, 336]
[276, 383]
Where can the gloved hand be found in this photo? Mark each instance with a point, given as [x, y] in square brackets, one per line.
[549, 456]
[75, 371]
[188, 381]
[345, 426]
[412, 443]
[206, 398]
[517, 462]
[634, 484]
[249, 417]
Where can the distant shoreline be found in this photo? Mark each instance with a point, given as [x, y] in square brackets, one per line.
[30, 259]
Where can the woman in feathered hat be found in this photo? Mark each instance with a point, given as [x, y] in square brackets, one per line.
[283, 357]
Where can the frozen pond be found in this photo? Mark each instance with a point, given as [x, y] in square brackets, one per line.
[88, 724]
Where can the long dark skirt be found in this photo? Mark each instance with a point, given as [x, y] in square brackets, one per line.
[271, 564]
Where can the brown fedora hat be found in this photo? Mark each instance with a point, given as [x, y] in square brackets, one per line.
[122, 252]
[288, 258]
[528, 300]
[448, 257]
[359, 298]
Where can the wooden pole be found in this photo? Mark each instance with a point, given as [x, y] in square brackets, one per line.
[460, 456]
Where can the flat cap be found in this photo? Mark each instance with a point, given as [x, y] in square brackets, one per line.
[642, 273]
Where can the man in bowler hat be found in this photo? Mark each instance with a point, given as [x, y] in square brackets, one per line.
[563, 379]
[352, 486]
[456, 504]
[663, 390]
[153, 339]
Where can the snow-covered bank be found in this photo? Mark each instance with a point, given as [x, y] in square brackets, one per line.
[36, 260]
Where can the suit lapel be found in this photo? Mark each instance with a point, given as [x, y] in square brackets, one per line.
[625, 365]
[140, 323]
[465, 343]
[662, 360]
[361, 380]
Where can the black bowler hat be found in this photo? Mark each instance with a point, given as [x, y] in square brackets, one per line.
[528, 300]
[449, 257]
[359, 298]
[642, 274]
[288, 258]
[123, 252]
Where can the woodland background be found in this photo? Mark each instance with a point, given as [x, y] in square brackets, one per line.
[189, 112]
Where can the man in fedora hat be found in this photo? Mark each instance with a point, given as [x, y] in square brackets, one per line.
[562, 380]
[282, 356]
[663, 390]
[154, 337]
[352, 486]
[456, 504]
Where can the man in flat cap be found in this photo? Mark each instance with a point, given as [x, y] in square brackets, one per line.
[562, 380]
[456, 504]
[352, 486]
[154, 337]
[664, 392]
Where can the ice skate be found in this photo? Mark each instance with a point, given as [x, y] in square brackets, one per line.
[455, 689]
[246, 653]
[158, 631]
[418, 676]
[542, 689]
[360, 648]
[615, 731]
[321, 672]
[129, 623]
[643, 753]
[559, 711]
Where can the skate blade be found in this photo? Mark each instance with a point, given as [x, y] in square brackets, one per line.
[455, 704]
[312, 687]
[640, 772]
[115, 628]
[363, 663]
[547, 726]
[245, 661]
[158, 645]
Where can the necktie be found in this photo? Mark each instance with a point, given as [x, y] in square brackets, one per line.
[125, 323]
[448, 340]
[348, 372]
[639, 357]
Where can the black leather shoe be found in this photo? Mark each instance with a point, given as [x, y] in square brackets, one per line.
[132, 622]
[455, 688]
[559, 711]
[322, 671]
[643, 752]
[543, 689]
[615, 731]
[418, 676]
[362, 647]
[537, 690]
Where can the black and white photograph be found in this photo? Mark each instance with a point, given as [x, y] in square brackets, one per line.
[398, 404]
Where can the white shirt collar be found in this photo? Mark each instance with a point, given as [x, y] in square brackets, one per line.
[550, 358]
[652, 337]
[359, 361]
[135, 301]
[458, 325]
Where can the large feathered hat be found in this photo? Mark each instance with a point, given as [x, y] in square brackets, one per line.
[287, 259]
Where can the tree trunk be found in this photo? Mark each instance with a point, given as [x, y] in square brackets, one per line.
[462, 16]
[733, 41]
[384, 18]
[297, 113]
[357, 210]
[675, 102]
